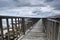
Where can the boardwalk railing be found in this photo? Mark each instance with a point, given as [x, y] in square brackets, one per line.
[14, 27]
[51, 27]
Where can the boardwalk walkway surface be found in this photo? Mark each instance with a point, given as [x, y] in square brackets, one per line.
[36, 33]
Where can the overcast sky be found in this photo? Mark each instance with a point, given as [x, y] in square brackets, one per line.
[44, 5]
[18, 3]
[13, 3]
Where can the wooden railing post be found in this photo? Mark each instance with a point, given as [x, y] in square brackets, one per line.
[1, 27]
[56, 31]
[16, 27]
[59, 32]
[19, 26]
[12, 26]
[7, 21]
[44, 22]
[23, 26]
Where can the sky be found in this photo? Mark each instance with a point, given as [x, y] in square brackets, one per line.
[18, 3]
[30, 5]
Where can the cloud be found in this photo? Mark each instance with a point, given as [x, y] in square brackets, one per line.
[6, 3]
[53, 3]
[46, 9]
[19, 3]
[49, 0]
[42, 3]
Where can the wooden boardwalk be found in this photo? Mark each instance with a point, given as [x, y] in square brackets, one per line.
[36, 33]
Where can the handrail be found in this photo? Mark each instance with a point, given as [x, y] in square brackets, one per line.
[53, 20]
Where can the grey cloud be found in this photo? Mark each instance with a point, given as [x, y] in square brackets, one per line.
[6, 3]
[13, 3]
[57, 7]
[55, 4]
[49, 0]
[19, 3]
